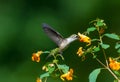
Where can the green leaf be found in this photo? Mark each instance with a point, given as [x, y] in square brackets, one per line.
[51, 68]
[112, 36]
[94, 74]
[46, 52]
[64, 68]
[117, 46]
[55, 61]
[100, 23]
[95, 40]
[44, 75]
[104, 46]
[96, 49]
[91, 29]
[118, 50]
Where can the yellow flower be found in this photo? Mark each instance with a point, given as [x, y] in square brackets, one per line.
[45, 68]
[68, 75]
[84, 38]
[80, 51]
[36, 56]
[38, 80]
[114, 65]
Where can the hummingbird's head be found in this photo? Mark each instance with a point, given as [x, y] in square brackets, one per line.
[73, 37]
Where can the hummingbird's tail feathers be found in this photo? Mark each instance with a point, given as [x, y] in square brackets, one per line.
[54, 35]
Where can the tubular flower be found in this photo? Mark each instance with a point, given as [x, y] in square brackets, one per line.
[38, 80]
[84, 38]
[114, 65]
[36, 56]
[80, 51]
[68, 75]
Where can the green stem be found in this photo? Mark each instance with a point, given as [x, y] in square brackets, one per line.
[103, 51]
[105, 57]
[45, 79]
[113, 74]
[107, 67]
[101, 63]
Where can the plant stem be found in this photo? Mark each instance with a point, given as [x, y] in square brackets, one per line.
[101, 63]
[103, 51]
[113, 74]
[45, 79]
[107, 67]
[105, 57]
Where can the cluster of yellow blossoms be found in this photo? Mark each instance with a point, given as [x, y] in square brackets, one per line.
[83, 38]
[114, 65]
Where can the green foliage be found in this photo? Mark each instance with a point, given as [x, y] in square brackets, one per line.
[117, 46]
[112, 36]
[105, 46]
[51, 69]
[118, 50]
[64, 68]
[91, 29]
[46, 52]
[44, 75]
[94, 74]
[94, 40]
[100, 22]
[96, 49]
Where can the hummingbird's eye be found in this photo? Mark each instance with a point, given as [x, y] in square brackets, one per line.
[77, 36]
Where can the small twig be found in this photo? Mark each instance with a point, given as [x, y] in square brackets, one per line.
[101, 63]
[113, 74]
[105, 57]
[103, 51]
[45, 79]
[107, 67]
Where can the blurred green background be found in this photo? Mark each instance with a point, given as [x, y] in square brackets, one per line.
[21, 35]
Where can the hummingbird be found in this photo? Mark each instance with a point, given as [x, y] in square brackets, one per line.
[61, 42]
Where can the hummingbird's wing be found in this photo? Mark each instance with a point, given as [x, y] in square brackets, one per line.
[54, 35]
